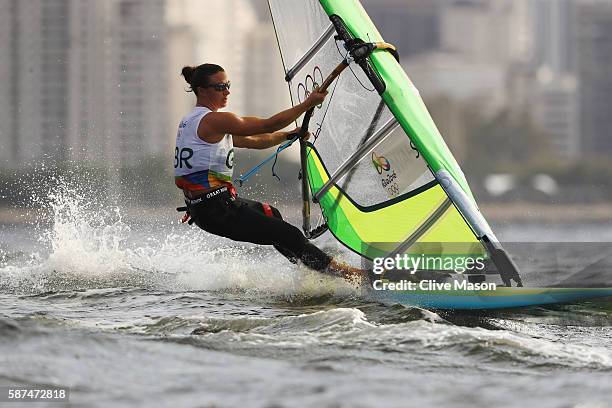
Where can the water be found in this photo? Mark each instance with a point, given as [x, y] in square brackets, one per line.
[161, 314]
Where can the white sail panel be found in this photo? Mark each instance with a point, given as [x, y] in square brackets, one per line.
[303, 23]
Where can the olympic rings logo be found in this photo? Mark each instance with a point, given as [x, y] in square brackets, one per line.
[380, 163]
[311, 82]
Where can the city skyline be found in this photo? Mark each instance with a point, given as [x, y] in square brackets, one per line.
[79, 85]
[100, 81]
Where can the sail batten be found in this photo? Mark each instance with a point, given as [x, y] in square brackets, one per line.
[310, 53]
[363, 150]
[422, 229]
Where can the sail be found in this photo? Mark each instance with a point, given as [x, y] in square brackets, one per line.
[377, 165]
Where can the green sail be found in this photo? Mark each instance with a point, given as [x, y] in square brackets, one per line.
[407, 189]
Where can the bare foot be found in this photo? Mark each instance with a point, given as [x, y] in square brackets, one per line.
[346, 271]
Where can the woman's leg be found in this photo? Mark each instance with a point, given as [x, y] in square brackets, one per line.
[245, 220]
[269, 211]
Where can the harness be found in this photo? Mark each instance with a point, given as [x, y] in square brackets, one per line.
[222, 193]
[227, 193]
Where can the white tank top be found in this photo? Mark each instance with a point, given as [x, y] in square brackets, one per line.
[199, 165]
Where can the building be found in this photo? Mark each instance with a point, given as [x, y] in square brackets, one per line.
[136, 86]
[223, 40]
[413, 26]
[486, 31]
[268, 92]
[553, 33]
[554, 109]
[594, 57]
[479, 40]
[35, 39]
[82, 81]
[8, 87]
[548, 85]
[182, 43]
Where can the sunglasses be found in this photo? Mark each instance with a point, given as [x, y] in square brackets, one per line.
[220, 87]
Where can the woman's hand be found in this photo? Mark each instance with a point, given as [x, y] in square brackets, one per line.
[315, 98]
[294, 132]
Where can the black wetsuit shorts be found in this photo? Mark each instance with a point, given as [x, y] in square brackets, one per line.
[246, 220]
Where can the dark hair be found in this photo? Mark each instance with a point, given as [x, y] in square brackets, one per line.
[199, 76]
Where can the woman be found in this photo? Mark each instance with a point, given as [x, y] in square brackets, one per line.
[203, 165]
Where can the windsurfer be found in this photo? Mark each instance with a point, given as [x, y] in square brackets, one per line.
[204, 161]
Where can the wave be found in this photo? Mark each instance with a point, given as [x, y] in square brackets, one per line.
[91, 245]
[342, 333]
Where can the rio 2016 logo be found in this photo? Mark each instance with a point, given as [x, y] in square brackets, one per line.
[380, 163]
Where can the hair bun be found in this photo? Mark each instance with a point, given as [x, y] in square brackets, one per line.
[187, 72]
[199, 76]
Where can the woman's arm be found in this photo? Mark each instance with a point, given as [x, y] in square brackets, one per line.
[216, 124]
[265, 140]
[262, 141]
